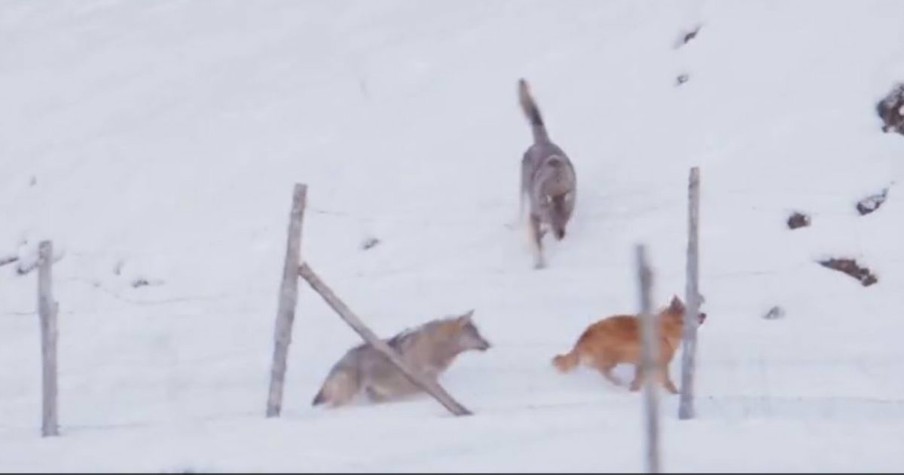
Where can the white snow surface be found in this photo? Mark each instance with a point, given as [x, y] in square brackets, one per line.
[160, 140]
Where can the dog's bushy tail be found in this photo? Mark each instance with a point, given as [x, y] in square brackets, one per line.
[532, 112]
[567, 362]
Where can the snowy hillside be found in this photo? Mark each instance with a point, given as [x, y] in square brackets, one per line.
[157, 144]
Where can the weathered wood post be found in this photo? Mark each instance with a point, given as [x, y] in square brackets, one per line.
[692, 301]
[47, 312]
[649, 368]
[288, 298]
[8, 260]
[428, 385]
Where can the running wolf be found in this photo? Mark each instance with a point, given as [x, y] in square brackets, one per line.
[547, 179]
[428, 349]
[617, 339]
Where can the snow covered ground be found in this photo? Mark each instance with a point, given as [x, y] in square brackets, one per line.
[159, 141]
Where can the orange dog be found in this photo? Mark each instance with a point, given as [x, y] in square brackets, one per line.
[617, 339]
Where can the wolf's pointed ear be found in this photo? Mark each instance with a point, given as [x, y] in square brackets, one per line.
[465, 318]
[676, 305]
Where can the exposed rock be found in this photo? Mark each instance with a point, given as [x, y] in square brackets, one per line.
[891, 110]
[851, 268]
[774, 313]
[798, 220]
[369, 243]
[871, 203]
[688, 36]
[144, 282]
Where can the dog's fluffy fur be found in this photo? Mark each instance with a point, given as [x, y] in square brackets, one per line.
[617, 339]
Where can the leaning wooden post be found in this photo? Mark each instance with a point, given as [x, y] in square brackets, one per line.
[288, 297]
[649, 368]
[692, 301]
[428, 385]
[47, 311]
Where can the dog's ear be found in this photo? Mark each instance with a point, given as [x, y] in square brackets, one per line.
[676, 305]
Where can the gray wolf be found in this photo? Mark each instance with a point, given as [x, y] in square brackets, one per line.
[617, 339]
[547, 180]
[428, 349]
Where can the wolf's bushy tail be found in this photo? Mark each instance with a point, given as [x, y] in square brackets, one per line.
[532, 112]
[339, 388]
[567, 362]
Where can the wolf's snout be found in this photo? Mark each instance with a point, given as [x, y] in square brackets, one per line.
[484, 345]
[560, 234]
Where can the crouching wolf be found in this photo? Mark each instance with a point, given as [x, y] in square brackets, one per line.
[617, 339]
[547, 179]
[428, 349]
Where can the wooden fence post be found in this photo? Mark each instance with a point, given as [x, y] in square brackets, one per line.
[47, 311]
[649, 368]
[428, 385]
[692, 301]
[288, 298]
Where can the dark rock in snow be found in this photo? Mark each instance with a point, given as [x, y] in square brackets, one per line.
[798, 220]
[774, 313]
[891, 110]
[688, 36]
[369, 243]
[144, 282]
[851, 268]
[871, 203]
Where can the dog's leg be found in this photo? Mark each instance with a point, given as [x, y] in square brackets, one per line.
[536, 236]
[605, 367]
[666, 380]
[638, 378]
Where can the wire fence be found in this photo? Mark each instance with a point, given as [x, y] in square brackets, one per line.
[657, 197]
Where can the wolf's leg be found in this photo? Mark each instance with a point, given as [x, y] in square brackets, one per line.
[338, 390]
[522, 188]
[376, 395]
[391, 385]
[535, 237]
[520, 216]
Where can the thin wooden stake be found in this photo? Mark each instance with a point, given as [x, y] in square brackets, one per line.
[47, 311]
[692, 301]
[428, 385]
[288, 298]
[649, 368]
